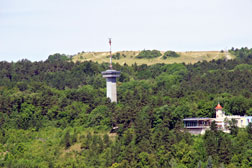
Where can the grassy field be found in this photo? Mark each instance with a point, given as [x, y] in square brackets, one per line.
[186, 57]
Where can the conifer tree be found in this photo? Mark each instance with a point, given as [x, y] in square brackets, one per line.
[67, 140]
[209, 162]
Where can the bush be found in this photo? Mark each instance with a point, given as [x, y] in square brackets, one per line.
[170, 54]
[242, 67]
[58, 57]
[148, 54]
[117, 56]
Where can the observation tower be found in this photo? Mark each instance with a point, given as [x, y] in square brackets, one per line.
[111, 76]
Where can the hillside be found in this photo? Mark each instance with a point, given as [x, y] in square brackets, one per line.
[130, 57]
[55, 113]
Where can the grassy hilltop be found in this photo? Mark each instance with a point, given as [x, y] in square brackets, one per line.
[129, 57]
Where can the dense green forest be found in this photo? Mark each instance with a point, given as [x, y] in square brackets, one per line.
[55, 113]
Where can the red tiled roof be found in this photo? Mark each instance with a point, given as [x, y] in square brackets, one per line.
[218, 107]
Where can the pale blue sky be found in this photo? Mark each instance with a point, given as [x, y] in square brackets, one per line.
[34, 29]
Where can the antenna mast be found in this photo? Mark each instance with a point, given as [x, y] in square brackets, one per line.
[110, 65]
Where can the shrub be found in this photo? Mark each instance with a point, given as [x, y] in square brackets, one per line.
[148, 54]
[116, 56]
[58, 57]
[170, 54]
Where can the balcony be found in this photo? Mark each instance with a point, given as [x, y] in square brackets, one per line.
[197, 126]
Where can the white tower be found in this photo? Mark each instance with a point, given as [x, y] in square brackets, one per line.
[111, 76]
[219, 112]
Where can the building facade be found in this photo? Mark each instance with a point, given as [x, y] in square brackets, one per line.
[248, 119]
[197, 125]
[200, 125]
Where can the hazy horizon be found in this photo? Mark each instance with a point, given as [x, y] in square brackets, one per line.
[35, 29]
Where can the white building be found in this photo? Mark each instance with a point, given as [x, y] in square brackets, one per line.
[200, 125]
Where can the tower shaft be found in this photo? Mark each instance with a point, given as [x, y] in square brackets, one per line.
[111, 89]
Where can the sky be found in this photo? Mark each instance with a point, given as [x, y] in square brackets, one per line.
[34, 29]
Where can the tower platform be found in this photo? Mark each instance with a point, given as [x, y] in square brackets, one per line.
[111, 73]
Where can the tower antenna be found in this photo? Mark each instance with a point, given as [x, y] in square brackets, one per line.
[110, 65]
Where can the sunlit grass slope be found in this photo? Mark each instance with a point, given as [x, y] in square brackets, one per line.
[186, 57]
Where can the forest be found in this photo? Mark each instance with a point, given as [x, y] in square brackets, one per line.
[55, 113]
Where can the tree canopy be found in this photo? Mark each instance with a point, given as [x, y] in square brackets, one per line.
[149, 54]
[168, 54]
[56, 114]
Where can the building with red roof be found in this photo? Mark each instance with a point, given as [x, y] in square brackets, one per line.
[200, 125]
